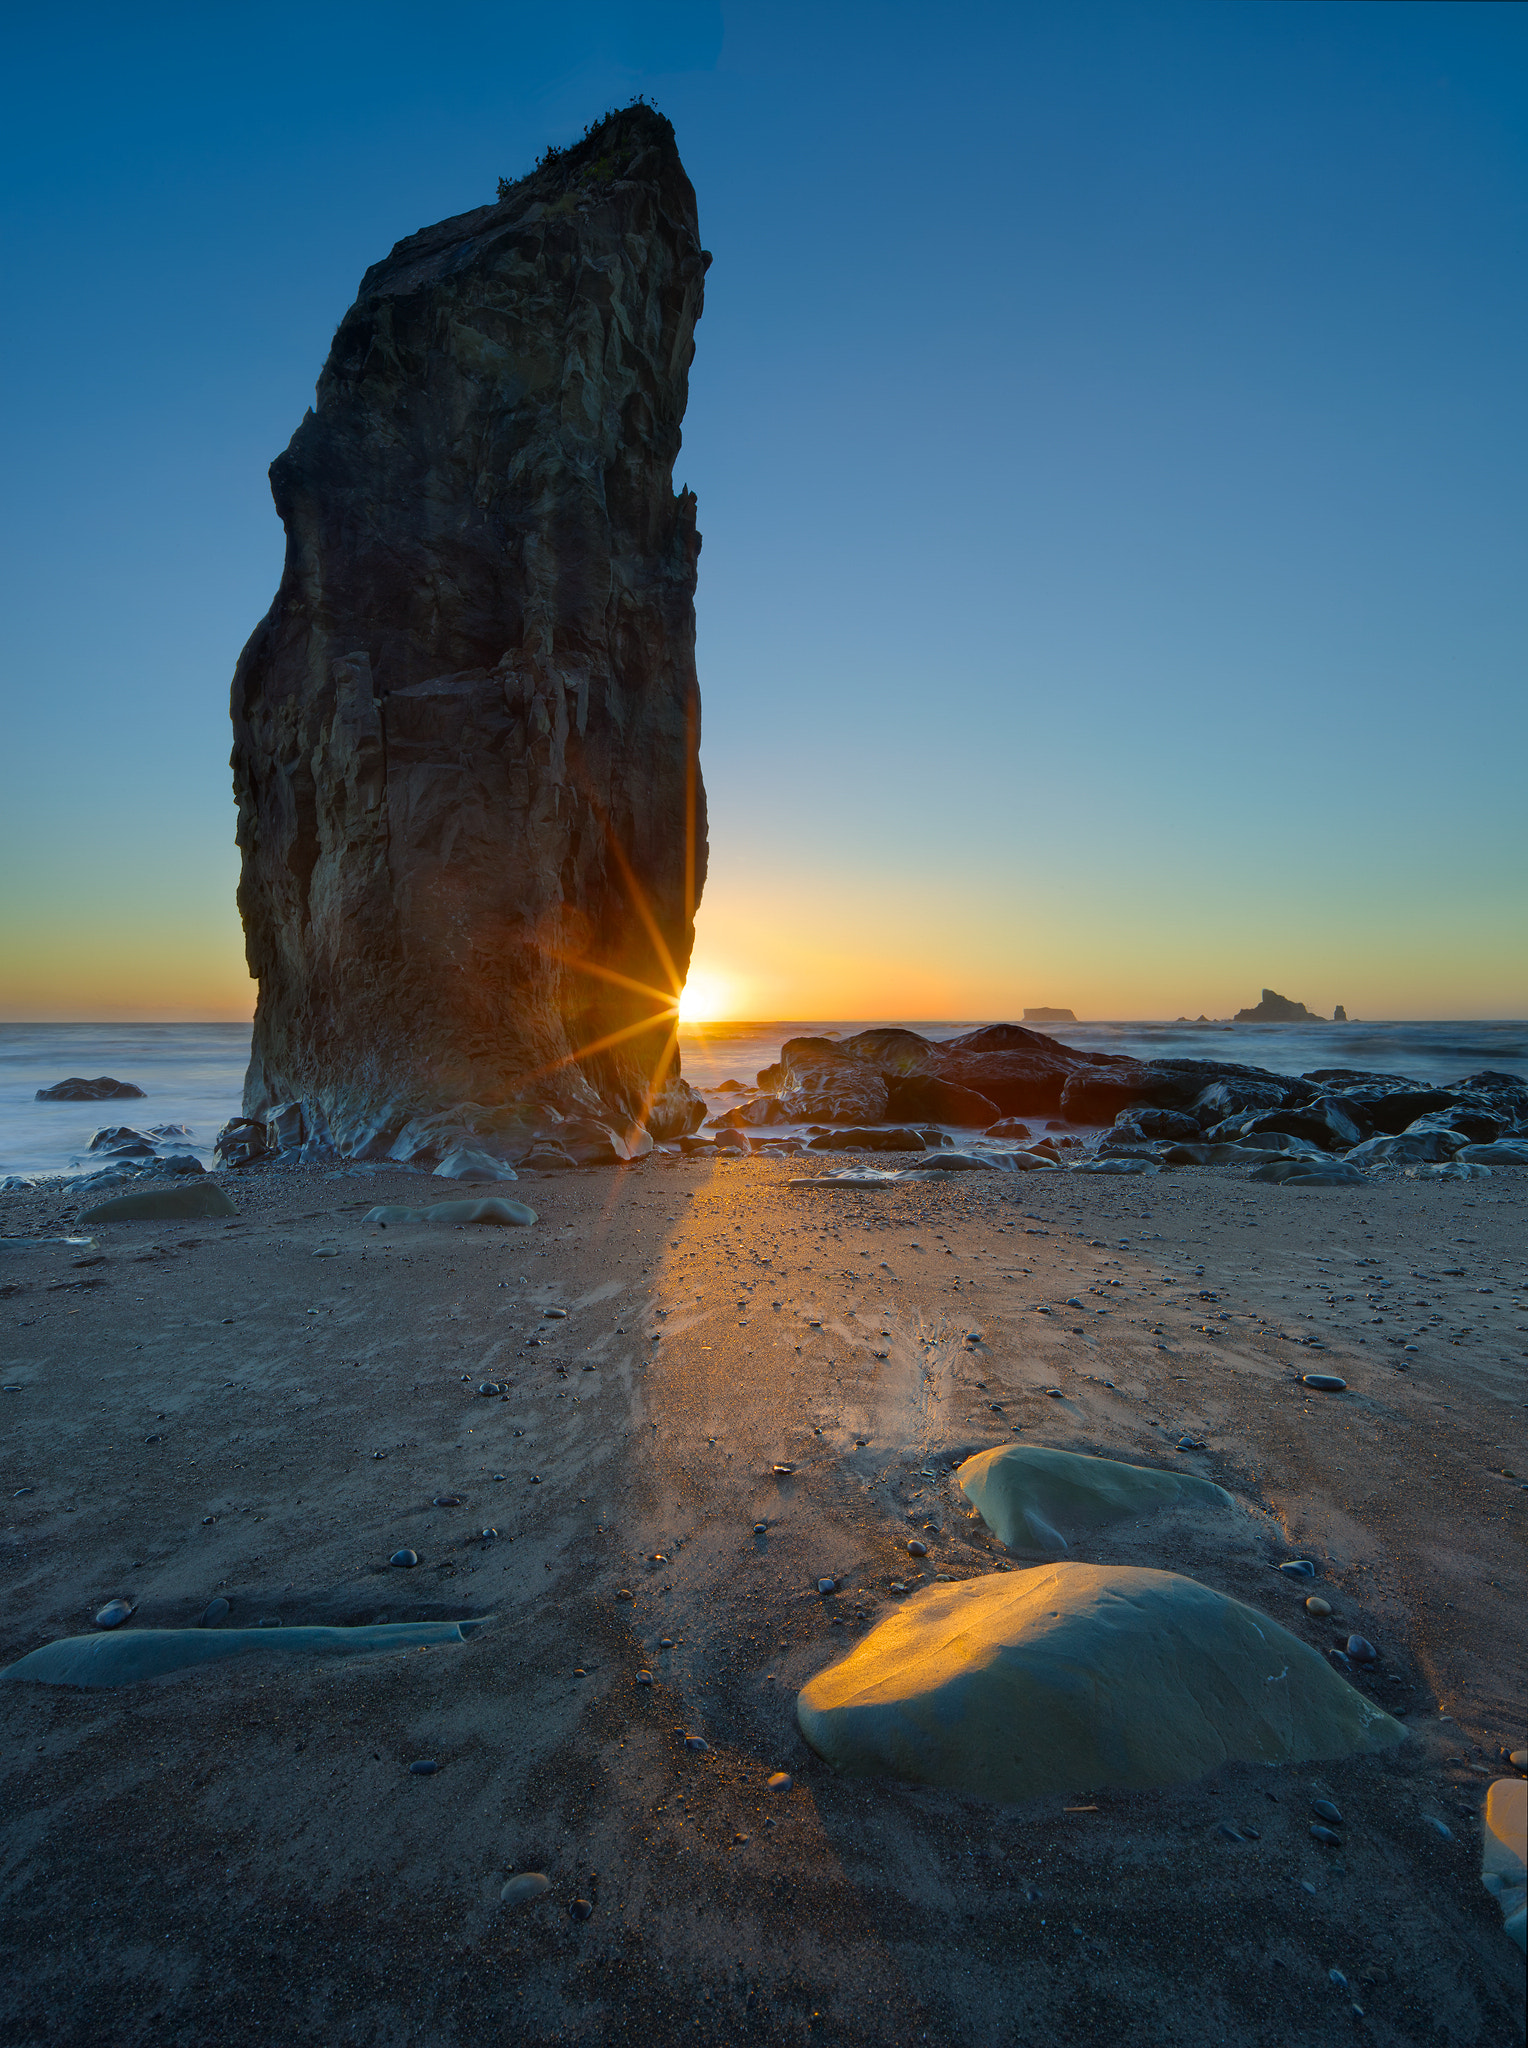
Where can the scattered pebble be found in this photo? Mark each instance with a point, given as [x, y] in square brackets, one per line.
[625, 1593]
[761, 1528]
[1443, 1829]
[1336, 1977]
[917, 1549]
[826, 1586]
[1362, 1651]
[1298, 1568]
[114, 1613]
[697, 1743]
[580, 1909]
[1321, 1834]
[555, 1315]
[1317, 1606]
[665, 1642]
[1519, 1759]
[214, 1612]
[426, 1767]
[1323, 1809]
[644, 1678]
[530, 1884]
[779, 1781]
[406, 1558]
[1324, 1382]
[447, 1500]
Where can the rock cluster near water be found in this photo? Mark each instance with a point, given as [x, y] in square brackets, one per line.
[466, 733]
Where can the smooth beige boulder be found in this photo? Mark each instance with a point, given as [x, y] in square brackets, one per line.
[1023, 1491]
[1504, 1854]
[1077, 1677]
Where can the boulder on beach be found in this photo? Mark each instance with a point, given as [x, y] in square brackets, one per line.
[132, 1656]
[75, 1089]
[1028, 1493]
[493, 1209]
[189, 1201]
[1079, 1678]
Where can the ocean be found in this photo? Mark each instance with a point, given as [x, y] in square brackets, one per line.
[193, 1074]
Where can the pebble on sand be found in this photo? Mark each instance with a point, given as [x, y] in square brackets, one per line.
[405, 1558]
[114, 1613]
[1323, 1809]
[779, 1781]
[424, 1767]
[644, 1678]
[1317, 1606]
[917, 1549]
[214, 1612]
[1318, 1833]
[529, 1884]
[1362, 1651]
[580, 1909]
[697, 1743]
[1298, 1568]
[1324, 1382]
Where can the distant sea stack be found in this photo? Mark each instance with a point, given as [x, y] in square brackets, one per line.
[1044, 1016]
[1277, 1009]
[466, 733]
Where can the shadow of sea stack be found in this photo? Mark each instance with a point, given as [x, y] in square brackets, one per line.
[466, 732]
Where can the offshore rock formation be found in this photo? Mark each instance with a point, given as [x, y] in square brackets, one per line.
[466, 732]
[1277, 1009]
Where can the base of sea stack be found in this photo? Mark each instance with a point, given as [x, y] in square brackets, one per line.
[1075, 1678]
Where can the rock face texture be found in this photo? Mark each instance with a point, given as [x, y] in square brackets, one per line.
[466, 733]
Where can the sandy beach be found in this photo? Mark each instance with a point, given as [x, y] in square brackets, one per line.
[266, 1410]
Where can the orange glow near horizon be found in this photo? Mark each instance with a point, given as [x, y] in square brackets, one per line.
[704, 1000]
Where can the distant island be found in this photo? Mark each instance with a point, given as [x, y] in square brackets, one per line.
[1277, 1009]
[1049, 1017]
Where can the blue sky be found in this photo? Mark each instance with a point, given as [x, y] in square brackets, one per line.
[1109, 430]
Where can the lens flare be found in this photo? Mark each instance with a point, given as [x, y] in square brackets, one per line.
[703, 1000]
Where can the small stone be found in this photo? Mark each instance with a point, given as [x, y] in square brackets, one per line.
[114, 1613]
[697, 1743]
[644, 1678]
[784, 1471]
[1362, 1651]
[761, 1528]
[917, 1549]
[665, 1642]
[1307, 1886]
[490, 1387]
[580, 1909]
[1519, 1759]
[625, 1593]
[1321, 1834]
[555, 1315]
[1336, 1977]
[529, 1884]
[214, 1612]
[826, 1586]
[407, 1559]
[1323, 1809]
[208, 1520]
[1342, 1660]
[488, 1535]
[1443, 1829]
[425, 1767]
[1298, 1568]
[779, 1781]
[1317, 1606]
[447, 1500]
[1324, 1382]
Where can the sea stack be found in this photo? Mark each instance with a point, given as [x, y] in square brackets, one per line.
[466, 733]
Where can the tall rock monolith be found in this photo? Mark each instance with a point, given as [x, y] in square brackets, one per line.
[466, 733]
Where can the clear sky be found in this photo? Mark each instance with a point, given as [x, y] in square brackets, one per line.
[1110, 426]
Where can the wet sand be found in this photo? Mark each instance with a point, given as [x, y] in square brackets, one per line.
[242, 1853]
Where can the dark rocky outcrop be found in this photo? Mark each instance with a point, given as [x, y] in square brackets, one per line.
[104, 1089]
[1277, 1009]
[465, 734]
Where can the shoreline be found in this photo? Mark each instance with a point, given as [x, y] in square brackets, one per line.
[262, 1860]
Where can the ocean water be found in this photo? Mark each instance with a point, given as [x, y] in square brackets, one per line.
[194, 1073]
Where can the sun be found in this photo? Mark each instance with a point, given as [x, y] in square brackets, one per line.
[703, 999]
